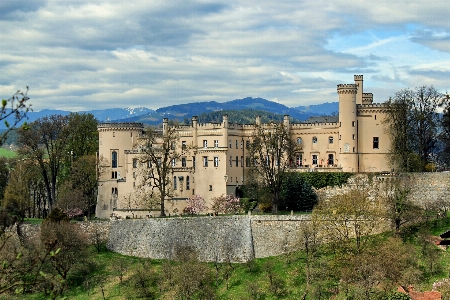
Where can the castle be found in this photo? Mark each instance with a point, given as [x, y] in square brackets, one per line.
[358, 142]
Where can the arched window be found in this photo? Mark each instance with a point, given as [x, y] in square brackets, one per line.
[114, 159]
[299, 141]
[314, 139]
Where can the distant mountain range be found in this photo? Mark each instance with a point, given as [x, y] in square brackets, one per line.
[182, 112]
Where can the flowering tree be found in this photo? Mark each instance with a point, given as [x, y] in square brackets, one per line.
[195, 205]
[226, 204]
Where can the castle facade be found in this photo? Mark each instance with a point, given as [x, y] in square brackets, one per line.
[358, 142]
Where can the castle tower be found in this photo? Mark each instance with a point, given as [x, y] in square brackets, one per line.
[348, 127]
[225, 130]
[359, 84]
[195, 133]
[114, 139]
[165, 126]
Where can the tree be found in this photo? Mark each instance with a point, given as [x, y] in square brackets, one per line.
[195, 205]
[347, 217]
[13, 111]
[228, 204]
[17, 193]
[412, 123]
[44, 142]
[156, 152]
[444, 135]
[297, 194]
[80, 189]
[398, 206]
[270, 152]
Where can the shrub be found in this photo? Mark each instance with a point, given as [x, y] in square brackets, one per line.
[195, 205]
[228, 204]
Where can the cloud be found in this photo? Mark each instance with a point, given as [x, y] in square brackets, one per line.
[80, 55]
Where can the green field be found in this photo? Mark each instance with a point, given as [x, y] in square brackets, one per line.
[7, 153]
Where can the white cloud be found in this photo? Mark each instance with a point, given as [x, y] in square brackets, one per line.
[79, 55]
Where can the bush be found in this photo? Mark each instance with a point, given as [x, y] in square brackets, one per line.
[228, 204]
[247, 205]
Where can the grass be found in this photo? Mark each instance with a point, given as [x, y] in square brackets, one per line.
[247, 281]
[32, 221]
[7, 153]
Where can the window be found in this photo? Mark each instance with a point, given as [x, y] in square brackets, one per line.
[135, 162]
[353, 136]
[134, 184]
[131, 134]
[375, 142]
[237, 144]
[205, 144]
[193, 161]
[375, 117]
[174, 162]
[159, 161]
[242, 144]
[314, 139]
[205, 161]
[340, 136]
[353, 123]
[330, 140]
[247, 144]
[134, 174]
[114, 191]
[237, 161]
[174, 182]
[299, 141]
[230, 144]
[354, 149]
[149, 164]
[183, 145]
[299, 159]
[114, 175]
[242, 161]
[172, 146]
[216, 143]
[330, 159]
[183, 162]
[216, 161]
[188, 183]
[114, 159]
[114, 134]
[231, 161]
[210, 187]
[314, 159]
[247, 161]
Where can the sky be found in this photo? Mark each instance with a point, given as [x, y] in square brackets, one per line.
[81, 55]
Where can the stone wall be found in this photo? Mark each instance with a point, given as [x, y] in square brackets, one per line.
[228, 238]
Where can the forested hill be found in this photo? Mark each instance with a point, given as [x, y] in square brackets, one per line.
[245, 116]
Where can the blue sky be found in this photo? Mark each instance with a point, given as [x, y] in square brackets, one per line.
[80, 55]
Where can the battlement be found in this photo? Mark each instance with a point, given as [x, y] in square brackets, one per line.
[358, 77]
[347, 88]
[118, 125]
[367, 98]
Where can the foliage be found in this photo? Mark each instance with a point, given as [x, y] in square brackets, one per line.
[444, 135]
[228, 204]
[320, 180]
[297, 193]
[195, 205]
[13, 111]
[412, 121]
[57, 215]
[247, 204]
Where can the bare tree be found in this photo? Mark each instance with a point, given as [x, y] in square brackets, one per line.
[158, 150]
[412, 124]
[13, 111]
[270, 153]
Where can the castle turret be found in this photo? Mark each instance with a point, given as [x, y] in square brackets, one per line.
[359, 84]
[225, 130]
[165, 126]
[286, 121]
[194, 133]
[348, 127]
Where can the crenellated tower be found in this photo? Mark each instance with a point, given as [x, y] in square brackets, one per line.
[348, 127]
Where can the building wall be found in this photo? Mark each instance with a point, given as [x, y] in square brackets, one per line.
[347, 145]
